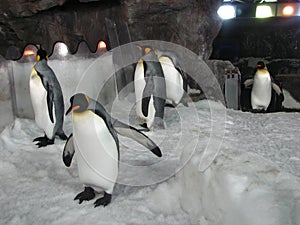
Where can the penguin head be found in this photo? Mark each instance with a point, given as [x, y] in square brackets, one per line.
[260, 65]
[145, 49]
[79, 103]
[41, 54]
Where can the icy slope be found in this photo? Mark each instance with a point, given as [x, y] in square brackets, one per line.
[252, 181]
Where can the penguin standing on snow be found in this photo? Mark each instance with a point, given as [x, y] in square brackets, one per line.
[261, 93]
[176, 80]
[150, 89]
[96, 144]
[47, 100]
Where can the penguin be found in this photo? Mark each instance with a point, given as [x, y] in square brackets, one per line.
[262, 88]
[47, 100]
[96, 143]
[150, 89]
[176, 80]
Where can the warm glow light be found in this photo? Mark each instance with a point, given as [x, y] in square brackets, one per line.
[101, 45]
[288, 10]
[263, 11]
[226, 12]
[28, 52]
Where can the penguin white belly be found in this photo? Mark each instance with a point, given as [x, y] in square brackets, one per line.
[174, 81]
[97, 153]
[139, 86]
[261, 91]
[38, 96]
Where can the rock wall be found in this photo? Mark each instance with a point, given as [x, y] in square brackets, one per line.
[275, 38]
[193, 24]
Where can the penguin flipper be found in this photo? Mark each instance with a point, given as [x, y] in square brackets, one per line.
[131, 132]
[69, 151]
[50, 94]
[248, 82]
[276, 88]
[50, 103]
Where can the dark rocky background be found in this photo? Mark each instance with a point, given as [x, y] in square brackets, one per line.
[192, 23]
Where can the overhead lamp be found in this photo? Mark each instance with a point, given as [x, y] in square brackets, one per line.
[264, 11]
[288, 10]
[226, 12]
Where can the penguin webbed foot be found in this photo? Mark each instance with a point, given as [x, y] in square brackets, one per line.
[105, 200]
[145, 128]
[258, 111]
[170, 105]
[43, 141]
[86, 195]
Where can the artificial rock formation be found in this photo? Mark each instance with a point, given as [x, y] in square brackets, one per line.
[193, 23]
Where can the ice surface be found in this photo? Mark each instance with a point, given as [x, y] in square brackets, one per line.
[253, 181]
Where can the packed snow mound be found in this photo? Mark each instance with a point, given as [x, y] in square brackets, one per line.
[254, 179]
[239, 188]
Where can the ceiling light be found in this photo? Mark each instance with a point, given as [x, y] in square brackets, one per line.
[263, 11]
[226, 12]
[288, 10]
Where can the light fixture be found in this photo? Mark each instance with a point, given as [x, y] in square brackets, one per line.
[101, 45]
[28, 52]
[62, 49]
[226, 12]
[288, 10]
[264, 11]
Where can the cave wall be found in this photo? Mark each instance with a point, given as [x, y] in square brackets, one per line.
[276, 38]
[193, 24]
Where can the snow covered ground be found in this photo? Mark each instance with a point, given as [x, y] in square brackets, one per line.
[253, 181]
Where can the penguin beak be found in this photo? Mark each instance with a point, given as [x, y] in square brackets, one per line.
[71, 109]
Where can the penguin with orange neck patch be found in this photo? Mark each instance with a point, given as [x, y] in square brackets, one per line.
[262, 88]
[150, 89]
[96, 143]
[47, 100]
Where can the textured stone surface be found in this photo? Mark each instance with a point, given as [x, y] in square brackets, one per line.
[193, 24]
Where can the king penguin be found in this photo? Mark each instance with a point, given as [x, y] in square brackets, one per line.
[96, 143]
[262, 88]
[47, 100]
[176, 79]
[261, 92]
[150, 89]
